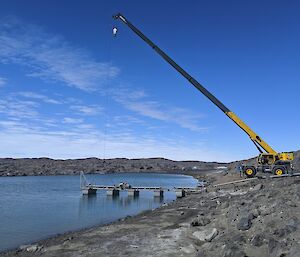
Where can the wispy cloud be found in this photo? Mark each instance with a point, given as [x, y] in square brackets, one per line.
[88, 110]
[124, 120]
[138, 102]
[2, 81]
[70, 120]
[18, 109]
[24, 140]
[41, 97]
[51, 57]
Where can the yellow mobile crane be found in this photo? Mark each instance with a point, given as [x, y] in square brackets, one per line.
[268, 160]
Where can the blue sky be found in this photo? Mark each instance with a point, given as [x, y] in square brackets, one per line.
[68, 89]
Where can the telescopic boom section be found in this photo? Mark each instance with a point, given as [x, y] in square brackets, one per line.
[253, 136]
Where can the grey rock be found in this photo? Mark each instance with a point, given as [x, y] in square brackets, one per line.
[225, 205]
[264, 210]
[239, 192]
[298, 192]
[30, 248]
[233, 251]
[273, 246]
[273, 193]
[291, 203]
[239, 238]
[258, 240]
[257, 187]
[280, 232]
[244, 223]
[201, 253]
[255, 213]
[206, 235]
[294, 251]
[200, 221]
[292, 225]
[251, 216]
[212, 204]
[24, 247]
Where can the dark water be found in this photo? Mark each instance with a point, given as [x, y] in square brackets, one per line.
[33, 208]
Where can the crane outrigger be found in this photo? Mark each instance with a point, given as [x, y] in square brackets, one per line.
[268, 159]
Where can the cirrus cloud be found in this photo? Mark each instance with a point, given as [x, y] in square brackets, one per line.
[2, 81]
[51, 57]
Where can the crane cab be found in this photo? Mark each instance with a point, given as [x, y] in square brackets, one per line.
[267, 159]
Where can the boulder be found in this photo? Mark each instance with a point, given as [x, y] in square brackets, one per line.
[258, 240]
[255, 213]
[292, 225]
[291, 203]
[273, 246]
[264, 211]
[233, 251]
[31, 248]
[257, 187]
[239, 238]
[200, 221]
[244, 223]
[206, 235]
[225, 205]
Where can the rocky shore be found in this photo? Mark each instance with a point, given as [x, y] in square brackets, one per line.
[255, 218]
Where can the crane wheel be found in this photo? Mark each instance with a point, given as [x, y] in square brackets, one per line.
[250, 172]
[278, 171]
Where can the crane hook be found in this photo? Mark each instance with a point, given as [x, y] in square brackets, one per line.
[114, 31]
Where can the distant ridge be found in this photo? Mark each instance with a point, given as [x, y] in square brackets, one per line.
[92, 165]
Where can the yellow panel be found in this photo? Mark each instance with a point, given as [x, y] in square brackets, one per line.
[288, 156]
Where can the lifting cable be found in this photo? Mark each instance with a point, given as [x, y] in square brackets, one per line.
[109, 43]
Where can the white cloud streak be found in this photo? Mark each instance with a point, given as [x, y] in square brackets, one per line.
[18, 109]
[51, 57]
[2, 81]
[41, 97]
[88, 110]
[137, 101]
[70, 120]
[20, 140]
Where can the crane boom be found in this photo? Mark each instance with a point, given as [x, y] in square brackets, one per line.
[253, 136]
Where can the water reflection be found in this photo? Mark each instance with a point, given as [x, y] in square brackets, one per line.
[32, 208]
[101, 203]
[158, 199]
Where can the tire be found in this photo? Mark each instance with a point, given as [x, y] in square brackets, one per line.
[279, 170]
[250, 171]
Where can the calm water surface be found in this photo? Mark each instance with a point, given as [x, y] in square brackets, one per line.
[33, 208]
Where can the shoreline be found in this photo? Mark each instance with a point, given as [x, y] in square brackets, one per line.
[235, 220]
[197, 175]
[72, 232]
[70, 235]
[96, 226]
